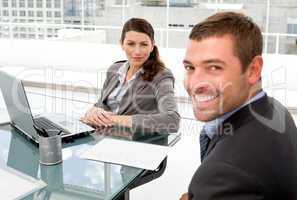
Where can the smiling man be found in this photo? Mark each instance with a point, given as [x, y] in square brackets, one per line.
[249, 141]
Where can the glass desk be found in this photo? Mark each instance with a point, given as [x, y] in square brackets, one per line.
[77, 178]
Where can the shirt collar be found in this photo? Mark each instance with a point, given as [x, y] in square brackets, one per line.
[124, 69]
[211, 126]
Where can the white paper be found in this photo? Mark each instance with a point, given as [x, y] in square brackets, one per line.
[16, 185]
[130, 153]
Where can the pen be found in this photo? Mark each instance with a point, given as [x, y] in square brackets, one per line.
[60, 132]
[40, 131]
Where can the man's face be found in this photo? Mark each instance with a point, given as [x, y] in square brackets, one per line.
[214, 78]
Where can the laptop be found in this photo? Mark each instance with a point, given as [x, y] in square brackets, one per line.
[21, 117]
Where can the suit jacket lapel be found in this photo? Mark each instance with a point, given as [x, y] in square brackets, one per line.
[212, 144]
[114, 80]
[227, 129]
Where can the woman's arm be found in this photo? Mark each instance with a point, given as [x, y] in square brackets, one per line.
[167, 119]
[122, 120]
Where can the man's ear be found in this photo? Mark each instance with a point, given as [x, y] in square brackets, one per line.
[255, 70]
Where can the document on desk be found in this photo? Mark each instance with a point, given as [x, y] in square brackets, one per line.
[129, 153]
[17, 185]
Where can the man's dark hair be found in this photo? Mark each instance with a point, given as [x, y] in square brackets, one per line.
[246, 35]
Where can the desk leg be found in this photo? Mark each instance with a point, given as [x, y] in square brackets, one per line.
[125, 196]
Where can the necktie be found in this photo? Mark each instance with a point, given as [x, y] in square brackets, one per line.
[204, 142]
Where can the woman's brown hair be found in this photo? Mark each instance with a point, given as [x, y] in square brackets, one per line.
[153, 64]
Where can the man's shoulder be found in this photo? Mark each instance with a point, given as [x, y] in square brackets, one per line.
[224, 180]
[278, 119]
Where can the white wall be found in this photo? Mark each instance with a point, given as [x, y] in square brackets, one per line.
[83, 63]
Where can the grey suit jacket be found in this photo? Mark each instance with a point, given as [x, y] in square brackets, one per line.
[151, 104]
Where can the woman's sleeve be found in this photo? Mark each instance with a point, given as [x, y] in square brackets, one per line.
[167, 119]
[99, 102]
[110, 72]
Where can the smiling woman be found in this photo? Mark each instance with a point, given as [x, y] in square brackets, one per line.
[139, 92]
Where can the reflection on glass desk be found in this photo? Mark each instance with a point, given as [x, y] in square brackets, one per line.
[75, 178]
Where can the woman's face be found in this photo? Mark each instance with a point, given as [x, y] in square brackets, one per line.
[137, 47]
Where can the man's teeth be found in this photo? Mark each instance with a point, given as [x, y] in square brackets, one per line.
[204, 98]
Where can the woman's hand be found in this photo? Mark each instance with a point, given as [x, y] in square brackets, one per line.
[184, 197]
[98, 117]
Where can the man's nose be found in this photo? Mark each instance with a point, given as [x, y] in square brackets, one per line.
[199, 82]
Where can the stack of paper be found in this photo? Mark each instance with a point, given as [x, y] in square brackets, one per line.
[16, 185]
[130, 153]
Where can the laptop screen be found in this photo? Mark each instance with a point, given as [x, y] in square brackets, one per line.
[17, 104]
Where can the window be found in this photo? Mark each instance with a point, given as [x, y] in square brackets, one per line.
[57, 3]
[13, 3]
[22, 35]
[22, 13]
[22, 3]
[180, 3]
[30, 4]
[40, 30]
[31, 36]
[30, 13]
[5, 3]
[31, 30]
[5, 13]
[14, 13]
[48, 3]
[39, 14]
[48, 14]
[39, 3]
[57, 14]
[292, 28]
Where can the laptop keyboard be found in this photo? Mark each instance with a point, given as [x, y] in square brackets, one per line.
[46, 124]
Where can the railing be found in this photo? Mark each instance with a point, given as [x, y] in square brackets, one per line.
[276, 43]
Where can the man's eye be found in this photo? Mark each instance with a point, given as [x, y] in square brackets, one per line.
[189, 67]
[215, 67]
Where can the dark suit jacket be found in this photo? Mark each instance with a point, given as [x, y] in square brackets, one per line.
[151, 104]
[254, 157]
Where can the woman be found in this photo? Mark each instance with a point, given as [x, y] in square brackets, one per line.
[137, 93]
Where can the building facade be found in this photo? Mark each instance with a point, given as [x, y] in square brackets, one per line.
[30, 19]
[42, 19]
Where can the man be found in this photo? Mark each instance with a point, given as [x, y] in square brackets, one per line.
[248, 144]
